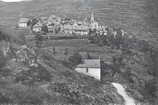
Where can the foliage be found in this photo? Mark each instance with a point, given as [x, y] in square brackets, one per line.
[4, 36]
[39, 40]
[33, 96]
[149, 91]
[67, 64]
[33, 22]
[75, 59]
[33, 75]
[2, 60]
[12, 93]
[45, 29]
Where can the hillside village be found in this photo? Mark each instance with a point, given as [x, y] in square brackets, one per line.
[87, 29]
[55, 24]
[61, 60]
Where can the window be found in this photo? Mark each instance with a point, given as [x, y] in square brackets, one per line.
[86, 70]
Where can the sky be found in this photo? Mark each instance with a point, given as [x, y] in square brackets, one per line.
[14, 0]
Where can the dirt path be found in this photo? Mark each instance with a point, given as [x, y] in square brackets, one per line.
[120, 89]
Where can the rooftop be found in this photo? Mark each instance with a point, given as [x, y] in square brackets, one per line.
[91, 63]
[23, 20]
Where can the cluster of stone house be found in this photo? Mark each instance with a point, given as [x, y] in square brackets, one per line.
[78, 28]
[55, 24]
[23, 22]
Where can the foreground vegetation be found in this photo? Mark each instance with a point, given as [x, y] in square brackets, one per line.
[58, 83]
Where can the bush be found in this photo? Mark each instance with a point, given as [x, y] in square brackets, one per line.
[150, 90]
[33, 96]
[4, 99]
[75, 59]
[33, 75]
[71, 93]
[2, 60]
[67, 64]
[4, 36]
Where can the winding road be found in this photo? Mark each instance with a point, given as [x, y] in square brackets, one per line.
[121, 91]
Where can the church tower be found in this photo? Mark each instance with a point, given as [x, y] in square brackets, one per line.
[92, 17]
[94, 24]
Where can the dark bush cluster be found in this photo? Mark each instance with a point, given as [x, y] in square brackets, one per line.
[12, 93]
[33, 75]
[69, 92]
[75, 59]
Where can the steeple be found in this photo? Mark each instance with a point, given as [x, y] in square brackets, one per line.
[92, 17]
[93, 23]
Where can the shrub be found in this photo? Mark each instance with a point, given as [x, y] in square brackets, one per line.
[33, 75]
[75, 59]
[149, 91]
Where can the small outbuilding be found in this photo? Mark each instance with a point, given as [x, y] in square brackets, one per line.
[90, 67]
[23, 22]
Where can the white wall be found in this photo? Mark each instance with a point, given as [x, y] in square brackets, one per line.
[94, 72]
[23, 25]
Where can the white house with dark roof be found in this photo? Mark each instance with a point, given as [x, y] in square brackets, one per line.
[90, 67]
[23, 22]
[37, 27]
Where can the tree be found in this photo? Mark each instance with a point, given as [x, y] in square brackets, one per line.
[45, 29]
[33, 75]
[33, 22]
[5, 99]
[2, 60]
[4, 36]
[38, 42]
[149, 91]
[4, 71]
[75, 59]
[54, 51]
[66, 51]
[88, 55]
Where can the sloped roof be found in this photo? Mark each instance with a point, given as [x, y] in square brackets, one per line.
[24, 20]
[90, 63]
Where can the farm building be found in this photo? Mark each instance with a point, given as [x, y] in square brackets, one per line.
[54, 20]
[78, 28]
[37, 27]
[44, 20]
[90, 67]
[81, 28]
[50, 27]
[23, 22]
[67, 28]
